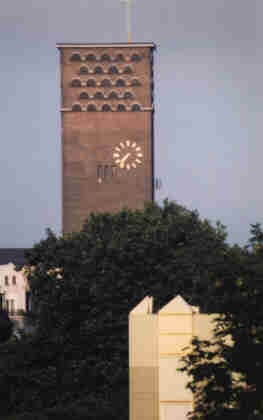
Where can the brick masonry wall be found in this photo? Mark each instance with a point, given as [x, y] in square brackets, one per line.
[92, 179]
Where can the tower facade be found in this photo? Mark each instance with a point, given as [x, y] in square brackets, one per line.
[107, 128]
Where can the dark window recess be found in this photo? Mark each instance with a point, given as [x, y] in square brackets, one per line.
[119, 57]
[14, 280]
[127, 70]
[135, 82]
[136, 58]
[106, 108]
[84, 70]
[106, 171]
[6, 280]
[75, 57]
[98, 95]
[121, 108]
[113, 95]
[76, 83]
[84, 95]
[128, 95]
[91, 57]
[91, 108]
[106, 83]
[136, 107]
[98, 70]
[105, 57]
[76, 108]
[120, 83]
[91, 83]
[113, 70]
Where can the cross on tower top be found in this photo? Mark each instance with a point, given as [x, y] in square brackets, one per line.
[128, 4]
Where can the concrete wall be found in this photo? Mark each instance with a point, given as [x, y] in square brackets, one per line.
[157, 389]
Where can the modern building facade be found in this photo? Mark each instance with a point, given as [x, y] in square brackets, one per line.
[156, 344]
[107, 128]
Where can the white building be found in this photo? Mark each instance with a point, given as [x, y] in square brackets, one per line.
[13, 289]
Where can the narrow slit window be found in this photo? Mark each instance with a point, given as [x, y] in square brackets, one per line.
[91, 108]
[75, 57]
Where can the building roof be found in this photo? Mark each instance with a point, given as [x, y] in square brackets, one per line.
[13, 255]
[104, 45]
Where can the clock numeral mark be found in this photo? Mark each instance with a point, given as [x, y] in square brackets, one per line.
[138, 160]
[134, 144]
[139, 154]
[117, 160]
[134, 165]
[116, 155]
[122, 145]
[117, 149]
[128, 142]
[128, 167]
[138, 148]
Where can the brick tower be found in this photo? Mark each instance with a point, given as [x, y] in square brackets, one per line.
[107, 128]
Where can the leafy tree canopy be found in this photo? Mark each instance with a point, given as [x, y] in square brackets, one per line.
[84, 286]
[227, 379]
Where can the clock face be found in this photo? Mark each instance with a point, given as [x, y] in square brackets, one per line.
[128, 155]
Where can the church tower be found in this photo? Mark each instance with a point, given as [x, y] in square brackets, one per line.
[107, 128]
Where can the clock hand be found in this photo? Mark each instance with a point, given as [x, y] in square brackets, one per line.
[123, 160]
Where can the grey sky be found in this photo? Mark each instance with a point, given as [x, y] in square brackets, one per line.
[208, 100]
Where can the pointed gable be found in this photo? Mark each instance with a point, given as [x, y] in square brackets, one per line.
[177, 306]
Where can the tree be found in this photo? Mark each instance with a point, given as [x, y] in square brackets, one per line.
[84, 285]
[6, 326]
[226, 373]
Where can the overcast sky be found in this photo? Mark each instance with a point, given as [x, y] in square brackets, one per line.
[208, 101]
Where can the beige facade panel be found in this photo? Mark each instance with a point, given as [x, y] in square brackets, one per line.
[174, 411]
[156, 347]
[172, 384]
[173, 344]
[176, 324]
[144, 339]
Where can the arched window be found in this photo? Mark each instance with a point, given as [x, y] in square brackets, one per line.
[136, 58]
[76, 83]
[135, 82]
[84, 70]
[76, 108]
[128, 95]
[98, 95]
[105, 57]
[113, 95]
[91, 83]
[91, 57]
[136, 107]
[127, 70]
[120, 83]
[113, 70]
[91, 108]
[75, 57]
[119, 57]
[106, 83]
[14, 280]
[98, 70]
[121, 108]
[106, 108]
[6, 280]
[84, 95]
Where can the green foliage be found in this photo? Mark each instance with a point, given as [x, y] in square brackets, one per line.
[227, 379]
[84, 286]
[6, 327]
